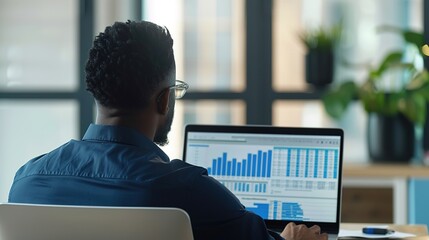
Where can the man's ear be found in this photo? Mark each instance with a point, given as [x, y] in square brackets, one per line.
[162, 103]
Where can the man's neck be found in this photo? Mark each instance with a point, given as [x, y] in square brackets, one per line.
[139, 120]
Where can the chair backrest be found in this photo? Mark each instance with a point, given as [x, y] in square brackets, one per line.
[44, 222]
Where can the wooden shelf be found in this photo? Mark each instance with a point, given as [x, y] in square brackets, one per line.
[385, 170]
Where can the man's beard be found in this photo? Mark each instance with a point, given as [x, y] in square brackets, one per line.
[161, 135]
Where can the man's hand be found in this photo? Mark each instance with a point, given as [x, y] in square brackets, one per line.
[302, 232]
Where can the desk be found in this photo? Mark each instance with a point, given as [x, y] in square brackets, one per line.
[420, 230]
[396, 177]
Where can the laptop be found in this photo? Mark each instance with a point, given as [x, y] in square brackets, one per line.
[282, 174]
[42, 222]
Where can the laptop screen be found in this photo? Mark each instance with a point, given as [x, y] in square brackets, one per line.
[281, 174]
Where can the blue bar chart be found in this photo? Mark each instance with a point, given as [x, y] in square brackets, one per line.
[280, 210]
[254, 165]
[290, 162]
[261, 209]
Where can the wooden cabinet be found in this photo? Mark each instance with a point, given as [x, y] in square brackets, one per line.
[382, 193]
[370, 205]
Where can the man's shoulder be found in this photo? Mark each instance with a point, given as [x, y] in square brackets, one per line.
[35, 164]
[195, 171]
[197, 180]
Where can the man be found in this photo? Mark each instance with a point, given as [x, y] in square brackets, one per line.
[131, 74]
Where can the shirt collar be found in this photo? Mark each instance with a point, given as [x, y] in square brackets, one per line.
[123, 135]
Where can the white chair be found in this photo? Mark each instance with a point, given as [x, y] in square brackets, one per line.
[45, 222]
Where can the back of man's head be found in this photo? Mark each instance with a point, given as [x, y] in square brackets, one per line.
[127, 62]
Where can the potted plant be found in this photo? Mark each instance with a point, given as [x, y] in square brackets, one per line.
[319, 59]
[392, 112]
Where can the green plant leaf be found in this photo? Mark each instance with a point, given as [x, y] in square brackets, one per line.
[415, 38]
[392, 101]
[391, 59]
[338, 99]
[414, 108]
[321, 38]
[419, 81]
[423, 91]
[373, 101]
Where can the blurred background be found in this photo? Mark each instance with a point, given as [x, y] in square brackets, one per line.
[243, 59]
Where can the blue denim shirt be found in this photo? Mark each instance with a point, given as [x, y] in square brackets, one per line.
[118, 166]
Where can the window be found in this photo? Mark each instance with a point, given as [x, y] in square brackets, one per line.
[208, 41]
[209, 49]
[30, 128]
[38, 45]
[38, 81]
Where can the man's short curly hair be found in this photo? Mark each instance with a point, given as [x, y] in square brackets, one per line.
[127, 62]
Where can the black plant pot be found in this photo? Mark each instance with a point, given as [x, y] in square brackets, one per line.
[390, 138]
[319, 67]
